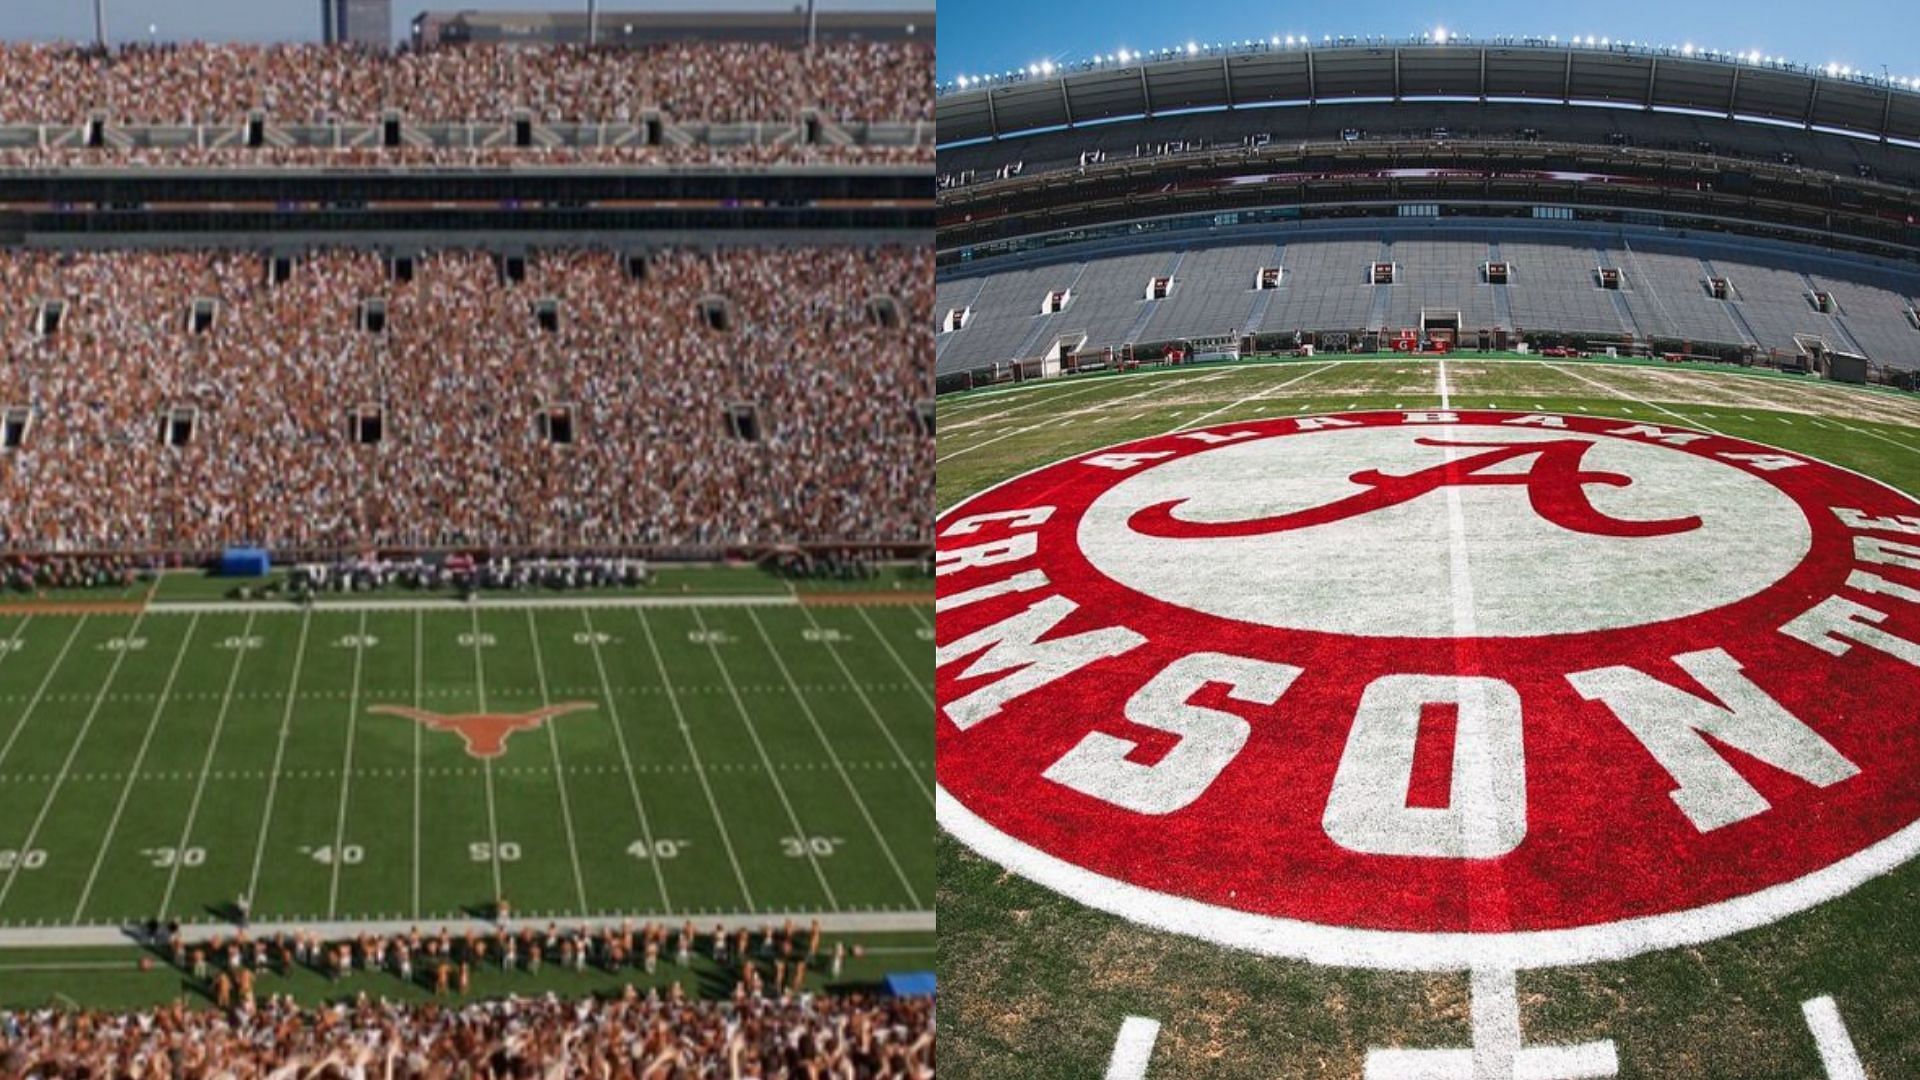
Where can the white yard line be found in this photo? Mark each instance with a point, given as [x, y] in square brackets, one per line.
[206, 769]
[800, 831]
[867, 702]
[1446, 396]
[279, 756]
[45, 681]
[693, 752]
[448, 604]
[861, 922]
[13, 643]
[493, 816]
[913, 677]
[73, 752]
[1133, 1048]
[1101, 407]
[839, 766]
[1259, 395]
[626, 761]
[346, 770]
[133, 774]
[1619, 393]
[1837, 1054]
[559, 770]
[419, 634]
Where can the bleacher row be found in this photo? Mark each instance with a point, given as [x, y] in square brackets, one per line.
[1325, 287]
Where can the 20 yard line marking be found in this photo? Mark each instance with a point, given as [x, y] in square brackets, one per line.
[346, 769]
[773, 776]
[686, 733]
[33, 833]
[493, 817]
[626, 761]
[206, 767]
[1133, 1049]
[839, 766]
[279, 757]
[45, 681]
[834, 651]
[1837, 1054]
[133, 774]
[559, 771]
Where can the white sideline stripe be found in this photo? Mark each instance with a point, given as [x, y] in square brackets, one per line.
[1133, 1048]
[214, 607]
[1830, 1035]
[862, 922]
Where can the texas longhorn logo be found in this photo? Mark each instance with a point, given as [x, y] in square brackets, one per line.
[484, 733]
[1556, 486]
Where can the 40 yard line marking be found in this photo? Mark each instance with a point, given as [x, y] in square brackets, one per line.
[699, 770]
[67, 766]
[493, 817]
[279, 756]
[346, 769]
[838, 765]
[559, 771]
[133, 775]
[626, 759]
[206, 768]
[773, 776]
[834, 651]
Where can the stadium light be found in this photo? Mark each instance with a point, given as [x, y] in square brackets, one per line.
[1440, 36]
[1687, 49]
[1192, 49]
[1046, 67]
[1123, 56]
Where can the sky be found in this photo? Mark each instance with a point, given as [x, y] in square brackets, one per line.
[982, 36]
[299, 20]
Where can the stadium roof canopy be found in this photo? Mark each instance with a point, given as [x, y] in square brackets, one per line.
[1128, 85]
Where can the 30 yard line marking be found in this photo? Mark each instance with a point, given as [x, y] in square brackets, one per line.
[279, 757]
[838, 765]
[45, 681]
[133, 774]
[346, 770]
[66, 767]
[1837, 1054]
[206, 768]
[559, 771]
[779, 789]
[834, 651]
[1133, 1049]
[626, 760]
[493, 817]
[686, 733]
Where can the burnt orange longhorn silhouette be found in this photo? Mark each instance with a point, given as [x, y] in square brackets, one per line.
[485, 733]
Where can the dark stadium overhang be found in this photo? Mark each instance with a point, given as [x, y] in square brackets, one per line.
[1330, 74]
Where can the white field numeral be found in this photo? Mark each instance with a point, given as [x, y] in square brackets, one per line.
[592, 637]
[481, 851]
[166, 858]
[799, 847]
[8, 645]
[823, 634]
[123, 644]
[661, 849]
[32, 859]
[477, 641]
[357, 641]
[345, 855]
[238, 642]
[709, 637]
[924, 633]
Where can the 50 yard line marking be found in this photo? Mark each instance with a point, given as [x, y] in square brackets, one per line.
[493, 817]
[206, 768]
[699, 770]
[346, 768]
[66, 767]
[626, 759]
[279, 756]
[559, 771]
[133, 774]
[773, 775]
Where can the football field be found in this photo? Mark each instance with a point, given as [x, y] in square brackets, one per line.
[1041, 985]
[399, 762]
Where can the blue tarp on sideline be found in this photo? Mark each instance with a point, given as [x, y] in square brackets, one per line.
[911, 984]
[244, 562]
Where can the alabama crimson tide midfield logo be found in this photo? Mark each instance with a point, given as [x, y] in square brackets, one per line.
[1435, 689]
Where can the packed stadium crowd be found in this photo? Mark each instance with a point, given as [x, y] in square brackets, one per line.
[630, 1037]
[730, 156]
[720, 82]
[694, 399]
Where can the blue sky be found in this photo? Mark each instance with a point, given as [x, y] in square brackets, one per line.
[979, 36]
[299, 20]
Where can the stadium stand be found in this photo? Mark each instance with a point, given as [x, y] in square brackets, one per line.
[461, 372]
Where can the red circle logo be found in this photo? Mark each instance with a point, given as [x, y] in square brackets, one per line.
[1431, 689]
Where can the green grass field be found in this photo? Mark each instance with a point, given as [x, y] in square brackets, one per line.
[730, 759]
[1038, 986]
